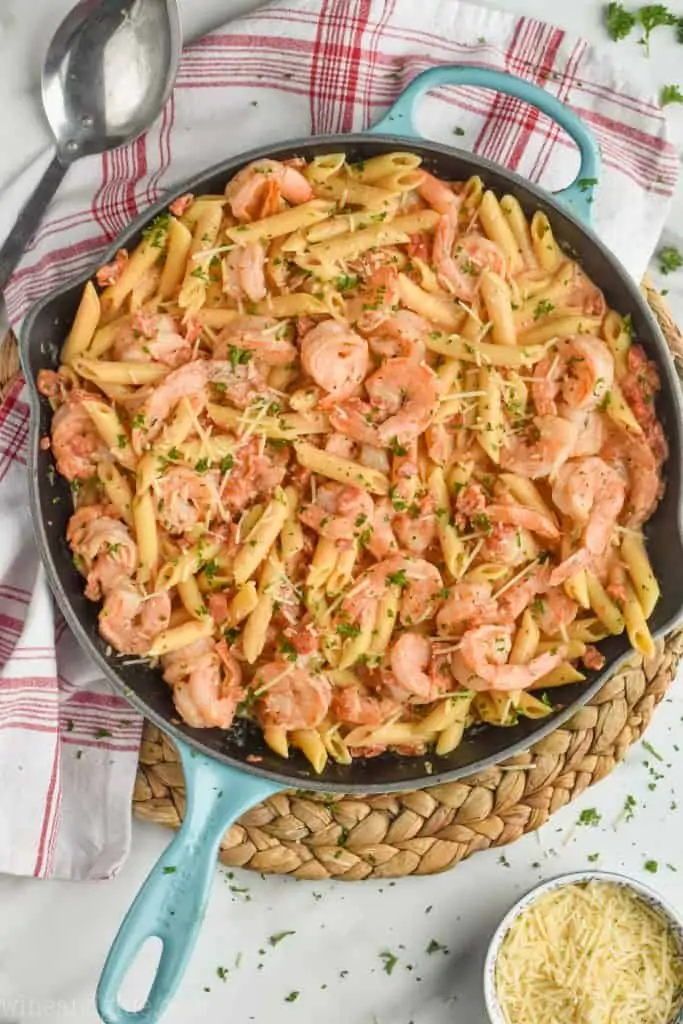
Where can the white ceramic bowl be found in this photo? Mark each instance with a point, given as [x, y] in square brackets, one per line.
[649, 896]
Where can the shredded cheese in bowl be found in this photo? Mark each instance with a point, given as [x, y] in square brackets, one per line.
[589, 952]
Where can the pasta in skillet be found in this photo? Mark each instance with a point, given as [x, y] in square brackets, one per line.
[359, 454]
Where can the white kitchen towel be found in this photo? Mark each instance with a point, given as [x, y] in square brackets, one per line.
[68, 745]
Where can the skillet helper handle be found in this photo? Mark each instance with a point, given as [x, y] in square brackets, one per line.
[172, 901]
[578, 196]
[29, 219]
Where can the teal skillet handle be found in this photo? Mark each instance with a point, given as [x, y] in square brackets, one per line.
[172, 901]
[578, 196]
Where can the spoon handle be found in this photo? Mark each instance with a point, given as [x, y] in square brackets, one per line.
[29, 218]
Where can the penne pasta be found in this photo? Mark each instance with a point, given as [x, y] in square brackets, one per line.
[175, 638]
[635, 559]
[85, 324]
[548, 253]
[499, 231]
[260, 539]
[344, 471]
[285, 223]
[603, 606]
[177, 255]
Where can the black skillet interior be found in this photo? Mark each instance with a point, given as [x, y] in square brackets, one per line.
[41, 339]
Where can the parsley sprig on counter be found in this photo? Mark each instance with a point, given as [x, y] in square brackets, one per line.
[620, 22]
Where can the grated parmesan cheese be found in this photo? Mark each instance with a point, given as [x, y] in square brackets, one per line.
[592, 953]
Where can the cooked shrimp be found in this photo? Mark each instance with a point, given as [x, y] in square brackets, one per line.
[440, 443]
[340, 512]
[336, 358]
[255, 471]
[244, 384]
[508, 545]
[290, 696]
[256, 190]
[415, 530]
[374, 458]
[555, 611]
[76, 442]
[592, 431]
[592, 494]
[467, 605]
[639, 467]
[267, 338]
[183, 498]
[55, 384]
[181, 205]
[583, 295]
[548, 443]
[152, 336]
[377, 301]
[105, 547]
[188, 381]
[439, 195]
[402, 334]
[382, 542]
[337, 444]
[413, 679]
[578, 375]
[514, 599]
[244, 272]
[459, 266]
[109, 273]
[357, 707]
[405, 391]
[529, 518]
[129, 621]
[420, 581]
[481, 661]
[207, 684]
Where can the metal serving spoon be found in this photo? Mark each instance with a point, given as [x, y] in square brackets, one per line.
[108, 72]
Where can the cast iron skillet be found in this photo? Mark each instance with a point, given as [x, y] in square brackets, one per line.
[221, 782]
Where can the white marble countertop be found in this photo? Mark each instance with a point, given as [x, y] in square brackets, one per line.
[54, 936]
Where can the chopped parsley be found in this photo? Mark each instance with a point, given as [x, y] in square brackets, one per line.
[543, 308]
[101, 733]
[202, 466]
[483, 523]
[227, 462]
[348, 629]
[396, 448]
[155, 234]
[139, 421]
[278, 937]
[651, 750]
[238, 356]
[289, 650]
[436, 947]
[292, 997]
[389, 960]
[169, 869]
[652, 866]
[346, 282]
[590, 817]
[670, 259]
[670, 94]
[398, 579]
[458, 130]
[592, 857]
[630, 803]
[586, 184]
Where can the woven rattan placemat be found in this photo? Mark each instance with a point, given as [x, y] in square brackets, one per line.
[317, 836]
